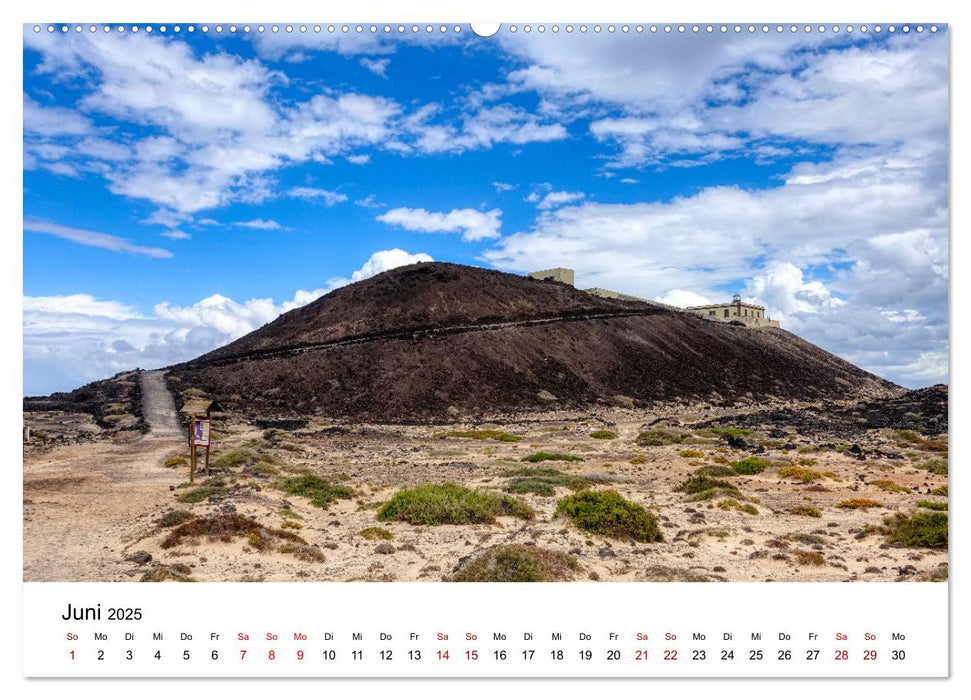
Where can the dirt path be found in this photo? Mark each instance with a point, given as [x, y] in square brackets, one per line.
[158, 407]
[87, 505]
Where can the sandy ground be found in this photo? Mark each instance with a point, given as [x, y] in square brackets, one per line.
[83, 502]
[90, 507]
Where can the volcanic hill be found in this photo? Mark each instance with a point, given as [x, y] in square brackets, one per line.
[436, 341]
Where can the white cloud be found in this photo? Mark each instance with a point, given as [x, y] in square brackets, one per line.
[218, 127]
[656, 73]
[176, 235]
[902, 76]
[782, 288]
[684, 298]
[385, 260]
[928, 367]
[53, 121]
[94, 239]
[369, 202]
[69, 340]
[378, 66]
[167, 218]
[644, 141]
[483, 128]
[328, 197]
[828, 251]
[261, 224]
[502, 186]
[79, 305]
[684, 99]
[558, 198]
[379, 262]
[903, 315]
[218, 131]
[294, 47]
[230, 318]
[474, 225]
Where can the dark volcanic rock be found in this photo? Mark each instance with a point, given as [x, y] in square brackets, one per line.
[280, 423]
[98, 399]
[426, 341]
[921, 410]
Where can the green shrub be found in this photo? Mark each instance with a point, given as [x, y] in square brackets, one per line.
[542, 482]
[910, 438]
[439, 504]
[551, 457]
[376, 533]
[932, 505]
[202, 493]
[262, 469]
[751, 465]
[604, 435]
[480, 435]
[730, 431]
[173, 572]
[936, 466]
[321, 492]
[807, 511]
[802, 474]
[291, 525]
[691, 454]
[174, 517]
[289, 513]
[890, 486]
[175, 462]
[703, 488]
[732, 504]
[918, 530]
[607, 513]
[670, 574]
[226, 526]
[234, 458]
[859, 503]
[516, 563]
[806, 558]
[304, 552]
[940, 491]
[638, 459]
[658, 438]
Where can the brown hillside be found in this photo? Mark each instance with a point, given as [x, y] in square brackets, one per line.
[436, 340]
[421, 296]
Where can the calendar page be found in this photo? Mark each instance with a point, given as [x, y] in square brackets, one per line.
[451, 349]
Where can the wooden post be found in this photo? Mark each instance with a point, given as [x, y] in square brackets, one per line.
[209, 443]
[192, 448]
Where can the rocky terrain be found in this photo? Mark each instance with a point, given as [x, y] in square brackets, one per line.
[312, 503]
[440, 422]
[110, 409]
[436, 342]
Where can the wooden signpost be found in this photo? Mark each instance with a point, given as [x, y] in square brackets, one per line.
[200, 431]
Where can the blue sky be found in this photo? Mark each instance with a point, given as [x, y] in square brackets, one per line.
[183, 189]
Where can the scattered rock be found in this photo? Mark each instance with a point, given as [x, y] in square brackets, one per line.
[139, 557]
